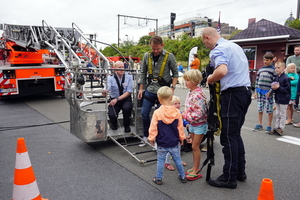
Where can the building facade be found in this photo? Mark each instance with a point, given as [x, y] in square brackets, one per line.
[192, 27]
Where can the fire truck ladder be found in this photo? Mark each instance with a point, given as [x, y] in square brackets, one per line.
[87, 100]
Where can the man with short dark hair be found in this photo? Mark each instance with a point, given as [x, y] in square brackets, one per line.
[296, 60]
[158, 65]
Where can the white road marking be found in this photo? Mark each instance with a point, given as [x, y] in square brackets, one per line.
[290, 139]
[285, 138]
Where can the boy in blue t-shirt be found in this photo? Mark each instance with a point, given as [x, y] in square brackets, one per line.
[265, 77]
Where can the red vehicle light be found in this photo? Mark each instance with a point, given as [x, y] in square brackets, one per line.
[61, 82]
[7, 86]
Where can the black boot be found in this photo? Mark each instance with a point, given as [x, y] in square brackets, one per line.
[241, 176]
[113, 126]
[222, 182]
[127, 129]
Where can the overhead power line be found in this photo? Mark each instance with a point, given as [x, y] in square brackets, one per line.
[127, 16]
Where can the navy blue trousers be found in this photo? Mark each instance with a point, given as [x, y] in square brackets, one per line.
[113, 111]
[149, 99]
[234, 106]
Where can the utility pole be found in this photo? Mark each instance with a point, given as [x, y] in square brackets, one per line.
[126, 16]
[172, 17]
[127, 46]
[298, 10]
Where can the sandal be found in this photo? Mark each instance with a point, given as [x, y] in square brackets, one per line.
[190, 171]
[288, 123]
[191, 177]
[184, 163]
[169, 167]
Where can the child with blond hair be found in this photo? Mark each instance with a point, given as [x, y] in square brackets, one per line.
[294, 78]
[176, 103]
[196, 114]
[166, 129]
[282, 89]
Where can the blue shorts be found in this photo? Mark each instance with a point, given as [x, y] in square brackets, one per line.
[198, 130]
[265, 104]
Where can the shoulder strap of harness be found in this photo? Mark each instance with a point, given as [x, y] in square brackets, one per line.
[120, 86]
[150, 66]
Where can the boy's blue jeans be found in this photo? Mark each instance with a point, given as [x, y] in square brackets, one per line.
[161, 156]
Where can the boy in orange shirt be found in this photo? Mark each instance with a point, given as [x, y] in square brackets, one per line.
[166, 129]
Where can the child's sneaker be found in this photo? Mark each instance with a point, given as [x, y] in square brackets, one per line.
[157, 181]
[268, 129]
[258, 127]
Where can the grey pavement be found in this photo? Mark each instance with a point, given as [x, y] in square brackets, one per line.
[64, 166]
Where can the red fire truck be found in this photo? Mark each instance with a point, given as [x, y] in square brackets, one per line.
[24, 69]
[117, 58]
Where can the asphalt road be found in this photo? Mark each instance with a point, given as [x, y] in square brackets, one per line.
[67, 168]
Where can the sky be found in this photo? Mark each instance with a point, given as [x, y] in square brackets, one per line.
[101, 17]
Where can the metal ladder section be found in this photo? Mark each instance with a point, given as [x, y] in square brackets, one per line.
[134, 154]
[69, 44]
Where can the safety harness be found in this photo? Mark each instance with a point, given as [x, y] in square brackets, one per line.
[120, 86]
[214, 125]
[160, 80]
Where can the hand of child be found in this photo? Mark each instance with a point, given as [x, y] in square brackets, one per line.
[255, 95]
[181, 142]
[268, 95]
[183, 114]
[189, 139]
[275, 85]
[152, 143]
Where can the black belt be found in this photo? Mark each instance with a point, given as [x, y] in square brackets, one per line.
[237, 89]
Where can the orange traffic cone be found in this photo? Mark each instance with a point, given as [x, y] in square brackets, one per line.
[25, 185]
[266, 190]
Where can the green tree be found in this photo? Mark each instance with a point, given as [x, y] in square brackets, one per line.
[109, 51]
[180, 47]
[234, 33]
[295, 24]
[144, 40]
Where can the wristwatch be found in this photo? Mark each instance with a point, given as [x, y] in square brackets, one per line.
[173, 87]
[117, 98]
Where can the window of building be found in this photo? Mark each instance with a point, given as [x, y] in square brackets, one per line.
[250, 52]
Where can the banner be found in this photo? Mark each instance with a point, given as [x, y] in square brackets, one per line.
[191, 56]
